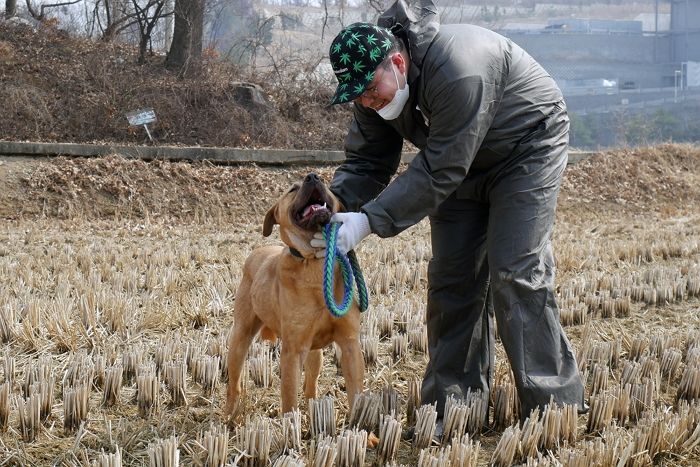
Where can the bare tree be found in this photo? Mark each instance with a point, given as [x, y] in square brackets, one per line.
[256, 43]
[111, 17]
[115, 16]
[169, 24]
[214, 20]
[339, 7]
[146, 18]
[40, 14]
[10, 8]
[186, 48]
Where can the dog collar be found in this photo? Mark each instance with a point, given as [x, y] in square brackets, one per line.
[295, 252]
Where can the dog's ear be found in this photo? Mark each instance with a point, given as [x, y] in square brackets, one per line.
[270, 220]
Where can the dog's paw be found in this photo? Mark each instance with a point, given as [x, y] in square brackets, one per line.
[372, 440]
[230, 409]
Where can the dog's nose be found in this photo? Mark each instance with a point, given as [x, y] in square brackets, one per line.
[312, 177]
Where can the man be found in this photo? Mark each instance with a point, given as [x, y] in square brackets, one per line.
[492, 130]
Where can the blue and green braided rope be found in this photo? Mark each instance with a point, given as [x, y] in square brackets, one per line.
[350, 270]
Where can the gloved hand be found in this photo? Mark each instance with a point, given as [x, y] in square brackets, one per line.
[354, 229]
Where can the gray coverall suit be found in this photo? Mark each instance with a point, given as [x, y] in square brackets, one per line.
[492, 130]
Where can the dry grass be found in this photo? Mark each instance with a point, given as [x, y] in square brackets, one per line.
[118, 298]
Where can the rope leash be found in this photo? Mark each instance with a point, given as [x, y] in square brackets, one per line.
[350, 269]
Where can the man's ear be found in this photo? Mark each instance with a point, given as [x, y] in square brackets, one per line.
[270, 220]
[398, 60]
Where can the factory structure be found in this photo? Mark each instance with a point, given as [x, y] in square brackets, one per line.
[592, 56]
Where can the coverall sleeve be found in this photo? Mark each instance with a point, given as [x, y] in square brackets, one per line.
[373, 153]
[461, 113]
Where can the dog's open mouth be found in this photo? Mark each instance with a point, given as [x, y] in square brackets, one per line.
[315, 212]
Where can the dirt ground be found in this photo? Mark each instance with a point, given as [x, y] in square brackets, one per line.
[108, 261]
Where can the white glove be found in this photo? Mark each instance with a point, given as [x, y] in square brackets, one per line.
[354, 229]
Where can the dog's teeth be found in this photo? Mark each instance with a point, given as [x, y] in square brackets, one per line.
[324, 205]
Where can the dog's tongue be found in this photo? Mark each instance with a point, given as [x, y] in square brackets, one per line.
[311, 210]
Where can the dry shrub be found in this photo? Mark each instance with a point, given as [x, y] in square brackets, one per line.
[635, 178]
[662, 177]
[114, 186]
[28, 106]
[6, 51]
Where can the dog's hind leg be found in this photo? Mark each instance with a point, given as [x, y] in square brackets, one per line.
[312, 368]
[242, 334]
[353, 366]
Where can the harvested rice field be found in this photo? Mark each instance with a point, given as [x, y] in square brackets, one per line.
[118, 281]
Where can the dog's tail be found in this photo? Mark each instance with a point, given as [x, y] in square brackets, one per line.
[268, 334]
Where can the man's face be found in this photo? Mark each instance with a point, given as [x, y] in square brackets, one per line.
[383, 87]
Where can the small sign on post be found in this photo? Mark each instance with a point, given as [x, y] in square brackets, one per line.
[142, 117]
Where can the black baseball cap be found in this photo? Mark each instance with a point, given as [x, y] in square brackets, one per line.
[355, 54]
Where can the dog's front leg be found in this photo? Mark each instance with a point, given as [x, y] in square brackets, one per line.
[353, 367]
[312, 368]
[290, 369]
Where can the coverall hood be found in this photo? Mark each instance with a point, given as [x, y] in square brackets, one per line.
[417, 24]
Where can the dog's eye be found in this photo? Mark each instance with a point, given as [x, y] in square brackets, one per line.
[293, 189]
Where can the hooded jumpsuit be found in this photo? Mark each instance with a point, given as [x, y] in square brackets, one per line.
[492, 131]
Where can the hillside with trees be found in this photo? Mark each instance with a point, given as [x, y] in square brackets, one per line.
[56, 87]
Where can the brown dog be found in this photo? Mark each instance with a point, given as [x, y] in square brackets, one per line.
[282, 292]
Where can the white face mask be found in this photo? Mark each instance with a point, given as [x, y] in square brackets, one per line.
[395, 106]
